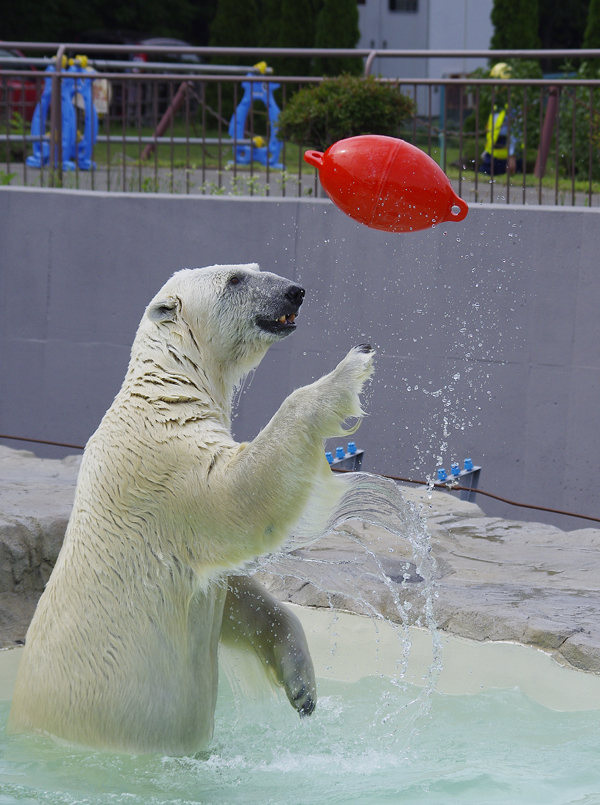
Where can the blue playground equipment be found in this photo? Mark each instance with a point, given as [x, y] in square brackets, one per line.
[74, 154]
[85, 88]
[266, 154]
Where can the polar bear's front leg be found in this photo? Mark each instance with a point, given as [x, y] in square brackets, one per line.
[253, 618]
[270, 480]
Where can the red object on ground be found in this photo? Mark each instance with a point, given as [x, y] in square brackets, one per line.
[21, 92]
[387, 184]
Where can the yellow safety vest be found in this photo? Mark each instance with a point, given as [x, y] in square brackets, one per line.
[494, 124]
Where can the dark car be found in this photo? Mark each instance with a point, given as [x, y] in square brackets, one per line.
[146, 99]
[102, 37]
[173, 58]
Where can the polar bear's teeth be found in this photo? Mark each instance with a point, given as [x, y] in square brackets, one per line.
[292, 318]
[281, 320]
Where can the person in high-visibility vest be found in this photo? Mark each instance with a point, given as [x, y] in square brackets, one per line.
[500, 146]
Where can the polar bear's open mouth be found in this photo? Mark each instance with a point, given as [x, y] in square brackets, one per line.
[282, 303]
[285, 324]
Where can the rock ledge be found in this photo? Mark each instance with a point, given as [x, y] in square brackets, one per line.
[497, 579]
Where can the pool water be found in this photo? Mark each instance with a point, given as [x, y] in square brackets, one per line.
[369, 742]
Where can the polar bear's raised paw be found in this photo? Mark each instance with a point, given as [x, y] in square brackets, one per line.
[338, 393]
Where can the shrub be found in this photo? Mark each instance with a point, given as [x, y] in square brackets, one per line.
[579, 126]
[13, 151]
[347, 106]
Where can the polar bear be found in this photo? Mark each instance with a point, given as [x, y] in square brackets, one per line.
[122, 651]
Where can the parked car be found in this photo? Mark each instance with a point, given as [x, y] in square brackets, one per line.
[18, 94]
[129, 97]
[176, 58]
[103, 37]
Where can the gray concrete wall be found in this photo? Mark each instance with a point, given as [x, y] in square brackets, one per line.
[487, 330]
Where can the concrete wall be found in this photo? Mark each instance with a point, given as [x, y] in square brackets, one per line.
[487, 330]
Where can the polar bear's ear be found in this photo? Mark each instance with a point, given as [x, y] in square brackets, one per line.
[165, 309]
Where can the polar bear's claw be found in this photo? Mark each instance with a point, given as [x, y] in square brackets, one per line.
[304, 699]
[304, 704]
[366, 348]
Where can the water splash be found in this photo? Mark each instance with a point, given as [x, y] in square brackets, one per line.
[399, 563]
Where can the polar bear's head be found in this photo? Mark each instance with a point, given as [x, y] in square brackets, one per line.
[224, 317]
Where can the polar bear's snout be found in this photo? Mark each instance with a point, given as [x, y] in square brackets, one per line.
[279, 317]
[295, 294]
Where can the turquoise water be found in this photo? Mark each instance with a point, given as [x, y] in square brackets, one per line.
[365, 745]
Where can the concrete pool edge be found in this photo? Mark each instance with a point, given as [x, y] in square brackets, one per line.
[347, 647]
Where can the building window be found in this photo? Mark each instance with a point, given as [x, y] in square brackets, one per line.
[403, 5]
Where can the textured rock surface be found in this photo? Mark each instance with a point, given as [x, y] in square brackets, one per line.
[36, 496]
[497, 579]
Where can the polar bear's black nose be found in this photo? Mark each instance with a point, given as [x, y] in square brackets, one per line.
[295, 294]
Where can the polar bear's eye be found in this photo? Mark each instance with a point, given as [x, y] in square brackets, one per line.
[234, 280]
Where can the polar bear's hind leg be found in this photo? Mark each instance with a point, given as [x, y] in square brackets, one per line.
[254, 620]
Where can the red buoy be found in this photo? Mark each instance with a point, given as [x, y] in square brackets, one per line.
[387, 184]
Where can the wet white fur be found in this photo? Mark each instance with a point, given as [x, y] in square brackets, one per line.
[122, 651]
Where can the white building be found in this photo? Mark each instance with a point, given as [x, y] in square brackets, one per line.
[425, 25]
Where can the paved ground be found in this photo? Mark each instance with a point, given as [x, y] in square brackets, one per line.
[130, 178]
[496, 579]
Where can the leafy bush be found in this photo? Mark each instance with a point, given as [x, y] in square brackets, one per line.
[579, 126]
[6, 178]
[13, 151]
[347, 106]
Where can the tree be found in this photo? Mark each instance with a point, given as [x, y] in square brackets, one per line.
[296, 30]
[66, 20]
[269, 13]
[562, 26]
[235, 24]
[516, 25]
[591, 37]
[337, 27]
[199, 30]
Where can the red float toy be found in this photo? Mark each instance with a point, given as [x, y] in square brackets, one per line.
[387, 184]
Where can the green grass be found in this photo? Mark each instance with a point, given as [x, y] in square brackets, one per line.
[195, 157]
[177, 156]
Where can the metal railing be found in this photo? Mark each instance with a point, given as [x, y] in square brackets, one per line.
[166, 127]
